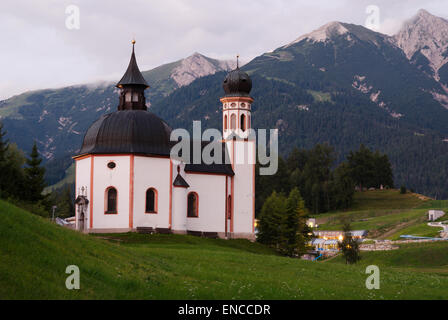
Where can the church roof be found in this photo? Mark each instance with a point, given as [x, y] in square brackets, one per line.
[237, 83]
[132, 76]
[180, 182]
[128, 131]
[224, 168]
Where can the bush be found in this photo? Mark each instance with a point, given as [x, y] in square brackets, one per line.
[403, 190]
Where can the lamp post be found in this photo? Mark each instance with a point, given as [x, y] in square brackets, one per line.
[54, 209]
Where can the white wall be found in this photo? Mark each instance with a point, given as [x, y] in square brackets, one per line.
[151, 172]
[82, 169]
[243, 214]
[103, 177]
[211, 191]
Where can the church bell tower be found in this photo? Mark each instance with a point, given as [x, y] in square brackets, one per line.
[236, 108]
[132, 86]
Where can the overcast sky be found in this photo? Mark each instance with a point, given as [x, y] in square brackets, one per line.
[39, 51]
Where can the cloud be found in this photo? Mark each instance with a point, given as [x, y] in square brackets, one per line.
[38, 51]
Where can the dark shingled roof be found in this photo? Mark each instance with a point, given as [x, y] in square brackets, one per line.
[224, 168]
[237, 83]
[180, 182]
[132, 76]
[128, 131]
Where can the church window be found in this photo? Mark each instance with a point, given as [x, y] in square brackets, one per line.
[225, 122]
[127, 97]
[233, 122]
[151, 201]
[135, 97]
[243, 122]
[111, 200]
[193, 205]
[248, 122]
[111, 165]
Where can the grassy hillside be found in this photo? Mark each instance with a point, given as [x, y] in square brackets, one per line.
[425, 257]
[34, 254]
[387, 214]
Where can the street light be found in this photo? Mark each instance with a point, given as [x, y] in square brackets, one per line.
[54, 209]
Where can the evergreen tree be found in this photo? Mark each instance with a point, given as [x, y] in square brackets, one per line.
[294, 232]
[271, 216]
[4, 169]
[349, 246]
[34, 177]
[15, 160]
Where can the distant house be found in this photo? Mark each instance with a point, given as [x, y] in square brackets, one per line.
[435, 214]
[328, 240]
[311, 222]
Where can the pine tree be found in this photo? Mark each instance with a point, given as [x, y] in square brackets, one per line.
[349, 246]
[4, 168]
[34, 177]
[270, 219]
[294, 231]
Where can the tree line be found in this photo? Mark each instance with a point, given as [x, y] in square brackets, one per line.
[22, 181]
[323, 186]
[306, 182]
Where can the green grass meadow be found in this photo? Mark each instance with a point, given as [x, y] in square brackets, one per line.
[34, 254]
[387, 214]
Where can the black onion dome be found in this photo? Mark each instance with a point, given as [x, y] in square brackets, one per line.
[129, 131]
[237, 83]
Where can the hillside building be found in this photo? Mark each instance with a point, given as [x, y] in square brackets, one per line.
[126, 179]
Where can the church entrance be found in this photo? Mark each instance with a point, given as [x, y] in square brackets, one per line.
[81, 221]
[82, 205]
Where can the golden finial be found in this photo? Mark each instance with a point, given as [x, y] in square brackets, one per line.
[133, 41]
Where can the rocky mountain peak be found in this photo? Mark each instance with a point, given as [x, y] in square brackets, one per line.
[196, 66]
[336, 29]
[426, 34]
[323, 33]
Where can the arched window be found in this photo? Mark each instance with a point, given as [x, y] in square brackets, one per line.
[151, 201]
[243, 122]
[233, 121]
[111, 200]
[135, 97]
[193, 205]
[225, 122]
[248, 121]
[128, 97]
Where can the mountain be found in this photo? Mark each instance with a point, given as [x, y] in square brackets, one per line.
[424, 40]
[169, 77]
[58, 118]
[345, 85]
[342, 84]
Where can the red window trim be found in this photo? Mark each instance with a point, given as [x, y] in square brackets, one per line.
[156, 197]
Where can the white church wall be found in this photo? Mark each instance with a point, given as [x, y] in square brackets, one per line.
[118, 178]
[82, 173]
[211, 192]
[151, 172]
[179, 209]
[244, 187]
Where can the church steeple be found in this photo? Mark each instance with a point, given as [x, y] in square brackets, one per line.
[133, 86]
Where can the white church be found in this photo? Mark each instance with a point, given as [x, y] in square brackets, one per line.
[127, 181]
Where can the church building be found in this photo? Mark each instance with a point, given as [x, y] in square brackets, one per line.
[126, 179]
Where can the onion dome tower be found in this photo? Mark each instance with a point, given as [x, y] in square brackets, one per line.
[132, 129]
[133, 86]
[236, 108]
[236, 102]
